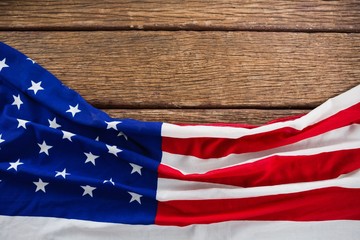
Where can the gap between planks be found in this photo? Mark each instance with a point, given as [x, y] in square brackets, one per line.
[242, 116]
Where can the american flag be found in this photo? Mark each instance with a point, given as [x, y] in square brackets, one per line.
[69, 171]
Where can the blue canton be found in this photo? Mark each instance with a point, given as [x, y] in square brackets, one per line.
[61, 157]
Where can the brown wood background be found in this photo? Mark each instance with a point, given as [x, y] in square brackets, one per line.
[193, 61]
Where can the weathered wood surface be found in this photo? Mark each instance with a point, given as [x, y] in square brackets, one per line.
[134, 69]
[242, 116]
[283, 15]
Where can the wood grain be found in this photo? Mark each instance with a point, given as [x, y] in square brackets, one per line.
[135, 69]
[307, 15]
[242, 116]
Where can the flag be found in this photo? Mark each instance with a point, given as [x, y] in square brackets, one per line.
[69, 171]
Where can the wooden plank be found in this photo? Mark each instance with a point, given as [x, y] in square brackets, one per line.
[307, 15]
[136, 69]
[242, 116]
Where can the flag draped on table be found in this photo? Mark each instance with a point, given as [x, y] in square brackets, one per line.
[68, 170]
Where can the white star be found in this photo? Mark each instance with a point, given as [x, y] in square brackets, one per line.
[29, 59]
[90, 158]
[63, 173]
[135, 168]
[97, 138]
[53, 123]
[35, 87]
[135, 197]
[1, 140]
[112, 124]
[113, 149]
[109, 181]
[122, 134]
[88, 190]
[22, 123]
[40, 185]
[17, 101]
[44, 148]
[3, 64]
[14, 165]
[73, 110]
[68, 135]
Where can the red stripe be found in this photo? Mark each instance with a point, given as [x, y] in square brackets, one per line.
[284, 119]
[277, 170]
[206, 147]
[235, 125]
[333, 203]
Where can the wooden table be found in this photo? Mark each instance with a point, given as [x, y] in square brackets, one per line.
[193, 61]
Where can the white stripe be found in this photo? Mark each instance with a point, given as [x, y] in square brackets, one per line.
[344, 138]
[327, 109]
[19, 228]
[174, 189]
